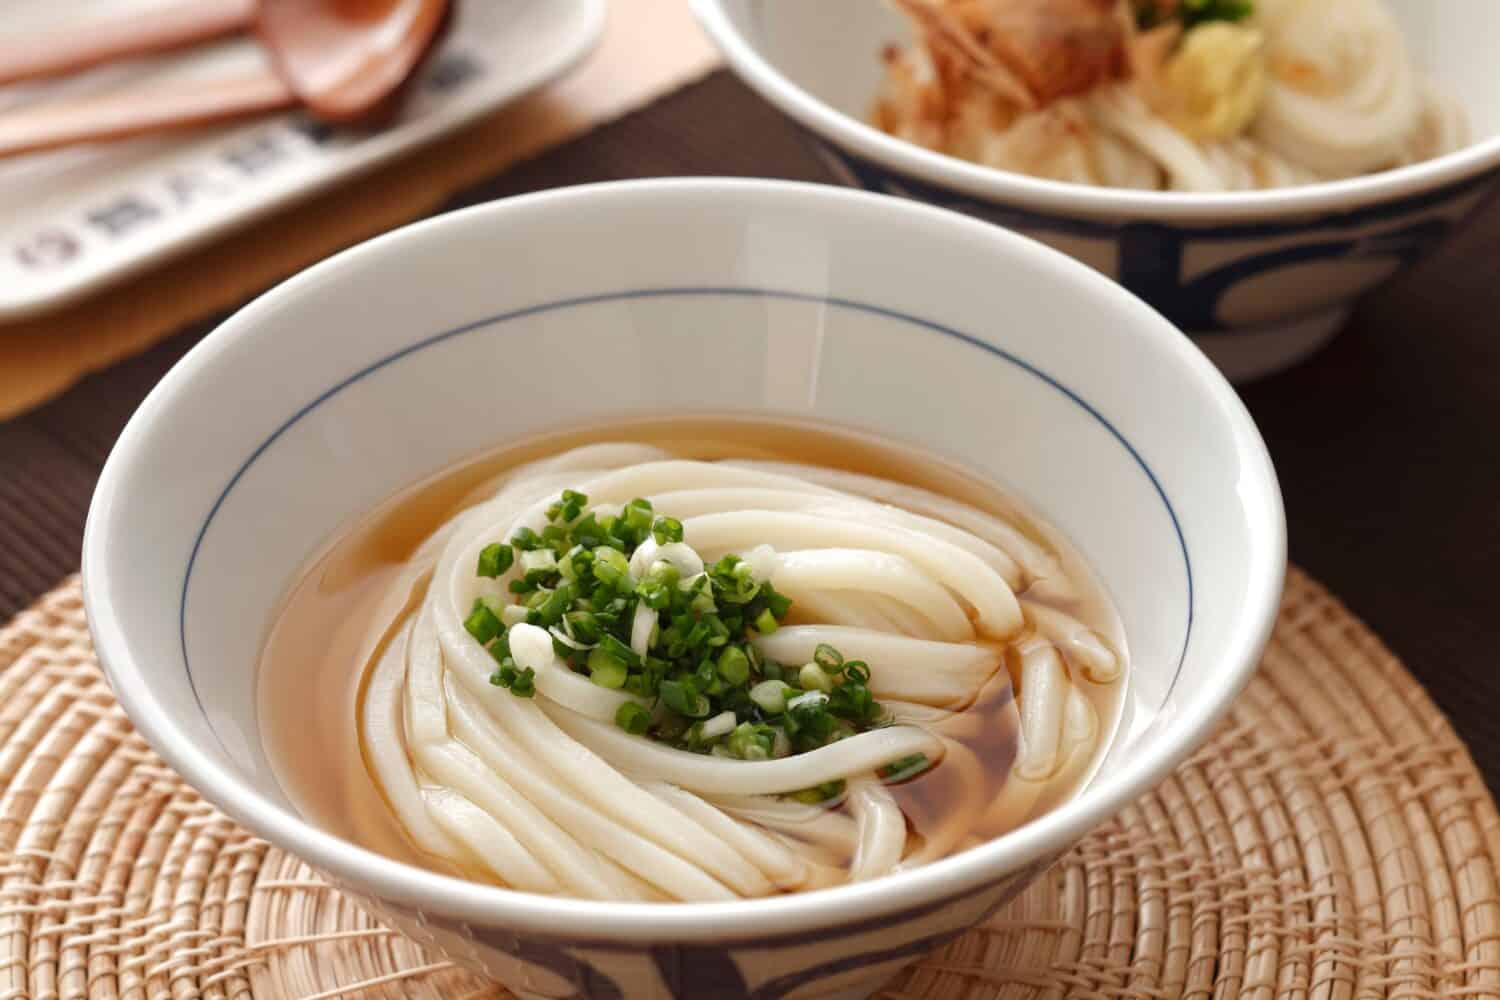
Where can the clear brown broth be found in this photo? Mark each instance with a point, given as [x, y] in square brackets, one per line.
[340, 615]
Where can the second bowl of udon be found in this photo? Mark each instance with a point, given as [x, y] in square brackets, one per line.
[685, 588]
[1250, 179]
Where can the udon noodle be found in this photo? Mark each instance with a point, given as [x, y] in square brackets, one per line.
[958, 687]
[1147, 94]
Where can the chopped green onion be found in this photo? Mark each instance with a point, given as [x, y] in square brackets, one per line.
[632, 718]
[734, 665]
[657, 596]
[905, 768]
[706, 674]
[814, 678]
[570, 506]
[538, 563]
[720, 725]
[619, 650]
[526, 540]
[807, 700]
[495, 559]
[852, 701]
[751, 741]
[663, 572]
[606, 669]
[525, 684]
[646, 683]
[550, 611]
[820, 793]
[778, 603]
[482, 623]
[770, 695]
[637, 518]
[718, 632]
[500, 648]
[703, 602]
[588, 532]
[611, 567]
[714, 691]
[765, 622]
[1151, 13]
[577, 562]
[683, 698]
[666, 530]
[807, 721]
[583, 626]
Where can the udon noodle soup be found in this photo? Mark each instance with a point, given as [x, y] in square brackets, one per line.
[1181, 95]
[697, 659]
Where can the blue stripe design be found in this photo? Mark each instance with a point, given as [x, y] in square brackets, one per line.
[879, 178]
[691, 292]
[1150, 258]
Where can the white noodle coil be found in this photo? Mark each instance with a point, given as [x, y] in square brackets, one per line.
[1341, 98]
[547, 794]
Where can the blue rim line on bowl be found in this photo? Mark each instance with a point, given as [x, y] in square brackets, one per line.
[876, 177]
[1150, 254]
[645, 293]
[933, 884]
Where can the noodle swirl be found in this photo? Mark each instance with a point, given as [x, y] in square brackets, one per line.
[551, 793]
[1299, 92]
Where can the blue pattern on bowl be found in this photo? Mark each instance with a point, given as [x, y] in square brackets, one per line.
[1153, 259]
[725, 970]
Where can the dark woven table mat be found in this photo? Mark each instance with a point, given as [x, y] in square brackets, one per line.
[1385, 443]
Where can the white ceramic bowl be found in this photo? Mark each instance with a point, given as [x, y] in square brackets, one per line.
[400, 357]
[1259, 279]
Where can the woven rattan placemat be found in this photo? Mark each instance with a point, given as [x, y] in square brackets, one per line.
[1332, 840]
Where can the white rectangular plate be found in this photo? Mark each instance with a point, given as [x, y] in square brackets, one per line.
[75, 219]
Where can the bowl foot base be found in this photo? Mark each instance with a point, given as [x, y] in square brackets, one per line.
[1256, 352]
